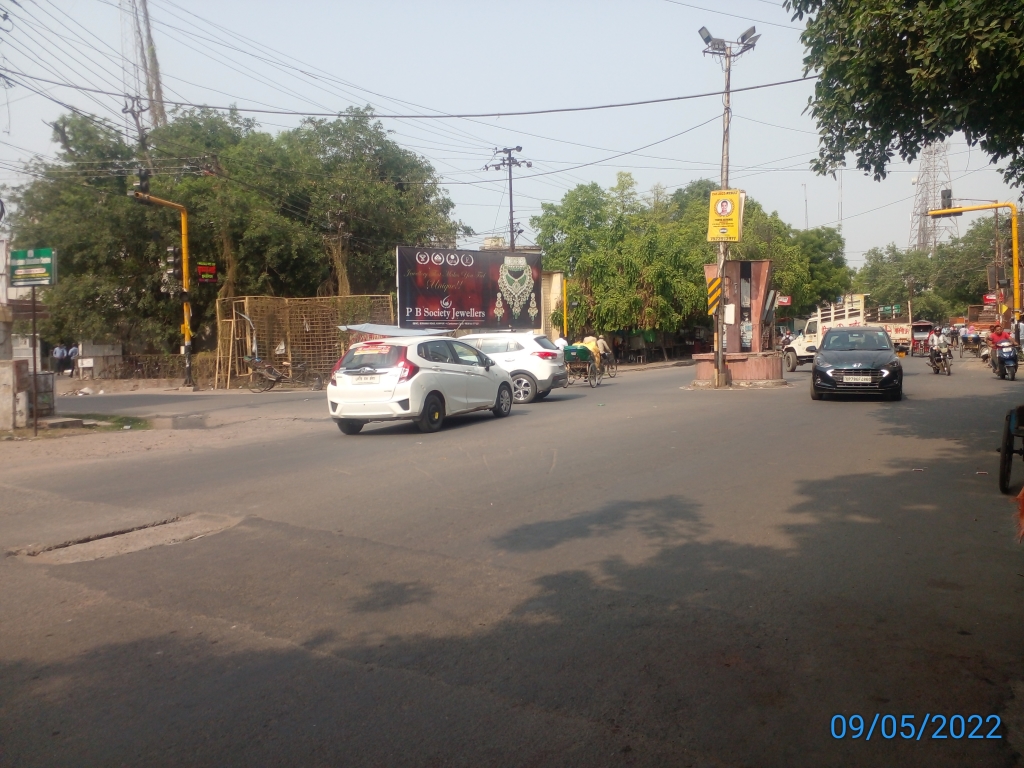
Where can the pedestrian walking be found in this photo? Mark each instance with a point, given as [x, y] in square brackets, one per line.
[72, 359]
[58, 354]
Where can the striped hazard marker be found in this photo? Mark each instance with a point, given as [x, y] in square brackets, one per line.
[714, 294]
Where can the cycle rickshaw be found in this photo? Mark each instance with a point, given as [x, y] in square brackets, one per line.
[580, 364]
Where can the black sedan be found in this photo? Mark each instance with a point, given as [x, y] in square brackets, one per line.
[856, 361]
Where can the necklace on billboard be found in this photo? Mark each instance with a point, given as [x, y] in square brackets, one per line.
[515, 287]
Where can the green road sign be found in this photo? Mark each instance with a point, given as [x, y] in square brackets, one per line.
[33, 267]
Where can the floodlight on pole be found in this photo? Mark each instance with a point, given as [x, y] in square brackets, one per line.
[727, 51]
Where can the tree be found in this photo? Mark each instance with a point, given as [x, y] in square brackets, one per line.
[829, 273]
[896, 75]
[641, 266]
[314, 210]
[893, 276]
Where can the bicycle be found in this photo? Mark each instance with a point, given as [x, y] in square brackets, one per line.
[609, 364]
[265, 377]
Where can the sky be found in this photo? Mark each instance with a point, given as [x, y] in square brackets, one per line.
[455, 57]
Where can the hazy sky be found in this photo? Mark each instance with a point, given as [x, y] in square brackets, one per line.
[478, 56]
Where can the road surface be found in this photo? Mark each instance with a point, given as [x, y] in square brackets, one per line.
[637, 574]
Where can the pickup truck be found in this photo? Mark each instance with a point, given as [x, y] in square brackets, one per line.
[850, 313]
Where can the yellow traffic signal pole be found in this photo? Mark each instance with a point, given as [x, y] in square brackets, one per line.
[186, 327]
[940, 212]
[565, 306]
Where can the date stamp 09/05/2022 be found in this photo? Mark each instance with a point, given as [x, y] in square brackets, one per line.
[911, 728]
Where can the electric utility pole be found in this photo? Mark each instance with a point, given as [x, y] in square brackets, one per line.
[509, 162]
[726, 52]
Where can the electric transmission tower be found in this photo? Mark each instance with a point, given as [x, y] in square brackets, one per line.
[933, 177]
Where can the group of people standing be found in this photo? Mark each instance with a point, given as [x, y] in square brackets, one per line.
[64, 359]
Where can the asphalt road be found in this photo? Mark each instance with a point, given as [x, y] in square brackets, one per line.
[637, 574]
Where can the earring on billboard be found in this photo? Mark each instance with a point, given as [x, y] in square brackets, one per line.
[499, 309]
[533, 307]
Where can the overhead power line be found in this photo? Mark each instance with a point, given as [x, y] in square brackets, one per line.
[444, 116]
[736, 16]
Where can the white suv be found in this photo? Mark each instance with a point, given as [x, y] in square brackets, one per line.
[534, 363]
[422, 378]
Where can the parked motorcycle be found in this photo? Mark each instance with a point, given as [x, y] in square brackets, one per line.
[1006, 359]
[941, 359]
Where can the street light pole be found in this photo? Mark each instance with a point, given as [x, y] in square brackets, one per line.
[727, 51]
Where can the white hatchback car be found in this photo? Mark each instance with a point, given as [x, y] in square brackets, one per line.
[535, 364]
[420, 378]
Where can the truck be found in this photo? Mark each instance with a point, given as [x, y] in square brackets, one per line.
[851, 312]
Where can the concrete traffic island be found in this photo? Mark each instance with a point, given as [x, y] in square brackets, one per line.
[744, 370]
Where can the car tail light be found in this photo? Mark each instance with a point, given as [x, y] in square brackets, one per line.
[406, 368]
[545, 355]
[333, 378]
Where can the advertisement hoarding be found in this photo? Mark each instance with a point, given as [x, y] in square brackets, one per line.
[449, 289]
[725, 219]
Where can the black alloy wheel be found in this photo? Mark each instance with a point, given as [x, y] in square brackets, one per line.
[433, 414]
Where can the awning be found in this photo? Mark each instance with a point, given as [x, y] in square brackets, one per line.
[391, 330]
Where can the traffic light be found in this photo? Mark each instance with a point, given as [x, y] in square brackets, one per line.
[170, 278]
[946, 199]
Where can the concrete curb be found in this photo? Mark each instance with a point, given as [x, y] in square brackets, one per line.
[703, 385]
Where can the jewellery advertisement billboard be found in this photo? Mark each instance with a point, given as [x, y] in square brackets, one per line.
[449, 289]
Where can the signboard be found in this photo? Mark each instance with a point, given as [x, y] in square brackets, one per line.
[207, 271]
[449, 289]
[989, 298]
[725, 221]
[33, 267]
[785, 301]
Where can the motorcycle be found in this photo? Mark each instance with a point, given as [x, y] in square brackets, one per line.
[941, 359]
[1006, 360]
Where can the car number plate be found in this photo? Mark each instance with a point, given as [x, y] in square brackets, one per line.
[366, 379]
[857, 379]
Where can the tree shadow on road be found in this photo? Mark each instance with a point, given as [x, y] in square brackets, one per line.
[890, 594]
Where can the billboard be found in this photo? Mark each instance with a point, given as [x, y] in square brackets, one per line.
[725, 219]
[449, 289]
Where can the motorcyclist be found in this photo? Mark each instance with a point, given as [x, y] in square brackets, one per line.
[995, 337]
[936, 339]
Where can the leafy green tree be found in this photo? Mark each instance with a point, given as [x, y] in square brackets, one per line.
[639, 261]
[829, 274]
[897, 75]
[893, 276]
[312, 211]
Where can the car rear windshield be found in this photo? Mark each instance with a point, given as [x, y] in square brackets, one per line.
[372, 356]
[859, 341]
[544, 342]
[491, 346]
